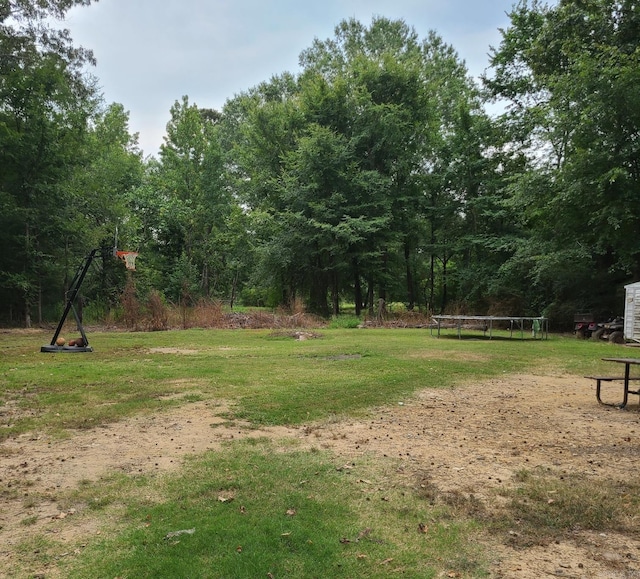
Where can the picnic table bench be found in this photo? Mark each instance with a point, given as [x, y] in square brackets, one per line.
[628, 362]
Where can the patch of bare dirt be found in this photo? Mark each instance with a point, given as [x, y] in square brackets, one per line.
[475, 438]
[471, 439]
[183, 351]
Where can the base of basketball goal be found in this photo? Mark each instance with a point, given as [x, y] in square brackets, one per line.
[69, 349]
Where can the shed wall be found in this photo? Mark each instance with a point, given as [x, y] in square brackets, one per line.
[632, 312]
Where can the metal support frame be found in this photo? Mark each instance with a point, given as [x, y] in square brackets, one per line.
[72, 294]
[628, 362]
[539, 324]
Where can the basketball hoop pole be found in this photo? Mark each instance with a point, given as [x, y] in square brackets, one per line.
[74, 288]
[129, 257]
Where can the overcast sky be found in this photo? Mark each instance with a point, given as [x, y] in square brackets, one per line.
[152, 52]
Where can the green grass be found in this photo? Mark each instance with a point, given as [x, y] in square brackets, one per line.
[270, 378]
[340, 527]
[348, 321]
[249, 513]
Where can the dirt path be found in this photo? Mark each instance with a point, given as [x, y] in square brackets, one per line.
[471, 439]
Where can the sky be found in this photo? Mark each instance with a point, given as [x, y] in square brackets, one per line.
[150, 53]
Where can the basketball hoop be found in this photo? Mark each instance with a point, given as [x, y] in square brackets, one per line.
[129, 258]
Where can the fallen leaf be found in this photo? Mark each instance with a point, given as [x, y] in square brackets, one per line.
[423, 528]
[386, 561]
[291, 512]
[239, 549]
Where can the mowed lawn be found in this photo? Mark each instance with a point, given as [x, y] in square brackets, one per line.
[265, 378]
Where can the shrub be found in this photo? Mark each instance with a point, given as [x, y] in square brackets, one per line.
[158, 315]
[345, 322]
[396, 308]
[131, 309]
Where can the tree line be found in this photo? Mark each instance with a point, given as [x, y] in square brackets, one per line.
[374, 173]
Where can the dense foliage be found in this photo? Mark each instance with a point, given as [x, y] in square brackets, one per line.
[64, 161]
[376, 173]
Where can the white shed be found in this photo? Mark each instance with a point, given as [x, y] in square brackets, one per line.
[632, 312]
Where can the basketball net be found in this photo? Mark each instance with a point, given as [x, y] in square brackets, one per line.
[129, 258]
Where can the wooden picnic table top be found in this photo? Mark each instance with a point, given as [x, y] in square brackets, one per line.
[623, 360]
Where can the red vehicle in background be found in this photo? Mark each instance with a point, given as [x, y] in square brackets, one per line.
[583, 324]
[585, 327]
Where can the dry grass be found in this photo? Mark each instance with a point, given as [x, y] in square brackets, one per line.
[542, 507]
[155, 314]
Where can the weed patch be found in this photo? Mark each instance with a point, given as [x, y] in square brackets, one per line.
[545, 506]
[542, 506]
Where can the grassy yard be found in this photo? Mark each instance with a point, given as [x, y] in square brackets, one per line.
[251, 510]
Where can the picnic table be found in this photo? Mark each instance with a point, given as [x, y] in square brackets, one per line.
[628, 362]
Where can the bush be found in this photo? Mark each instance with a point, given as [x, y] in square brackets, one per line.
[131, 309]
[208, 314]
[158, 315]
[396, 308]
[345, 322]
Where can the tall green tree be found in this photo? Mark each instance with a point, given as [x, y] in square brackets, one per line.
[570, 73]
[259, 129]
[335, 156]
[387, 124]
[107, 174]
[45, 106]
[185, 209]
[44, 119]
[414, 118]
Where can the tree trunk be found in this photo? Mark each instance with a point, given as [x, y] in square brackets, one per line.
[411, 296]
[357, 287]
[234, 288]
[206, 282]
[444, 284]
[27, 298]
[318, 296]
[382, 290]
[432, 273]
